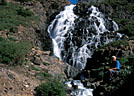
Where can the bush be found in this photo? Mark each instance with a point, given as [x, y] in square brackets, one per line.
[11, 52]
[24, 12]
[123, 60]
[51, 88]
[45, 75]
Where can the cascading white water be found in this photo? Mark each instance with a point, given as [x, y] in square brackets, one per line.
[94, 34]
[61, 26]
[81, 91]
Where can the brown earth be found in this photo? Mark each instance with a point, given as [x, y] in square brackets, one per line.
[22, 80]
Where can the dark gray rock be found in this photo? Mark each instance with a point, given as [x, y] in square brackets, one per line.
[70, 71]
[37, 61]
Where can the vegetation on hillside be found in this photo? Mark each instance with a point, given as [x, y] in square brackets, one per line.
[52, 87]
[12, 15]
[12, 52]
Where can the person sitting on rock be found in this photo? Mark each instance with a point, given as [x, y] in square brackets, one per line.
[115, 67]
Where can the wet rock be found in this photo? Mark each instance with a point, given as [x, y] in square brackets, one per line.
[70, 71]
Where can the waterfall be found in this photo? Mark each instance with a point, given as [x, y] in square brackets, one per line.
[61, 26]
[75, 37]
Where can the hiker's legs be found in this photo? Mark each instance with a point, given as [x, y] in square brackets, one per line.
[111, 74]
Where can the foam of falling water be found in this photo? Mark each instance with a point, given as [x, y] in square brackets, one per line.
[81, 90]
[59, 27]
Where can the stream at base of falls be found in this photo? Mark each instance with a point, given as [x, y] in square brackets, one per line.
[78, 89]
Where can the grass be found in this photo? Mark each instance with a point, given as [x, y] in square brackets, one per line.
[12, 15]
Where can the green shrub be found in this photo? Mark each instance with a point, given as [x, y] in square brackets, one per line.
[123, 60]
[12, 52]
[12, 15]
[44, 75]
[51, 88]
[24, 12]
[12, 39]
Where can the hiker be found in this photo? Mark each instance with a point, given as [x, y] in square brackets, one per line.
[114, 68]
